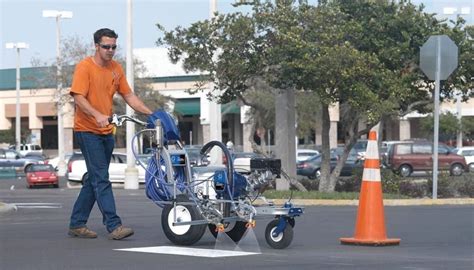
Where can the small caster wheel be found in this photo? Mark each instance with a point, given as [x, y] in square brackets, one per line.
[280, 241]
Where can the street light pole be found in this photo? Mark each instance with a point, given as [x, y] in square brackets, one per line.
[215, 117]
[457, 12]
[131, 172]
[18, 46]
[59, 88]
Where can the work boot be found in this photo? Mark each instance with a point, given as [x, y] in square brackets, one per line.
[82, 232]
[120, 233]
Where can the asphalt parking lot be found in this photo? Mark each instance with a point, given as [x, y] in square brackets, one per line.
[35, 237]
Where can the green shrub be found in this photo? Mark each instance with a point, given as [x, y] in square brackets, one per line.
[413, 189]
[467, 189]
[310, 184]
[348, 184]
[390, 181]
[453, 186]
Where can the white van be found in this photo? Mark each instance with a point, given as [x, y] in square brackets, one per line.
[30, 148]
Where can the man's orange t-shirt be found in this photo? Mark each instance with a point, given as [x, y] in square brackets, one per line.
[98, 85]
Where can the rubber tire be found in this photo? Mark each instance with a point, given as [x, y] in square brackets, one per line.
[456, 169]
[236, 233]
[194, 233]
[316, 175]
[84, 177]
[26, 167]
[286, 235]
[405, 170]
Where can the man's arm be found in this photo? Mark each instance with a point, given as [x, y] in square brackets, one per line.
[137, 104]
[101, 119]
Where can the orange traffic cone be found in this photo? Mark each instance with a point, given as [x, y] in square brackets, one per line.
[370, 222]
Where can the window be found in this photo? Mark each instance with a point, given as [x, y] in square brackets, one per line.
[422, 149]
[443, 150]
[403, 149]
[11, 155]
[36, 147]
[467, 153]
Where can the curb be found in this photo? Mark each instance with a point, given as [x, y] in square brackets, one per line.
[388, 202]
[6, 208]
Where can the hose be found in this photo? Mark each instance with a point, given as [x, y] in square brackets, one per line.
[158, 187]
[230, 171]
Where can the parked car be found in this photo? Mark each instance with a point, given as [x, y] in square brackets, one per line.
[54, 161]
[75, 156]
[304, 154]
[468, 153]
[37, 156]
[11, 158]
[311, 167]
[195, 157]
[40, 175]
[385, 149]
[30, 148]
[407, 157]
[77, 170]
[242, 161]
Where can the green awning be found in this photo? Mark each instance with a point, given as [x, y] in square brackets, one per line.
[192, 106]
[231, 107]
[188, 106]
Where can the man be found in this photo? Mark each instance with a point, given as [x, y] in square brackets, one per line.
[96, 80]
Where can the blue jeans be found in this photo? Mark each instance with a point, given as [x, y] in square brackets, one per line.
[97, 151]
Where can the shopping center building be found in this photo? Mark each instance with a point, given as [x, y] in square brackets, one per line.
[39, 114]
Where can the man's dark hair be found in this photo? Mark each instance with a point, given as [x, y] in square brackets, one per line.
[104, 32]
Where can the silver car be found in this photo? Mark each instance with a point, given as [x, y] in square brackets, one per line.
[12, 159]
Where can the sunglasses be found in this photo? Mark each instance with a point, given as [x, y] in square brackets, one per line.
[108, 47]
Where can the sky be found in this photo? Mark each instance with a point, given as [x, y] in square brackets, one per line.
[22, 21]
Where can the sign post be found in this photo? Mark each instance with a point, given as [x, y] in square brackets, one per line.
[438, 59]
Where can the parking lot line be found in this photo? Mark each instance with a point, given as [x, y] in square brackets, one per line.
[184, 251]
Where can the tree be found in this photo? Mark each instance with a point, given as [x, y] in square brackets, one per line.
[360, 54]
[449, 126]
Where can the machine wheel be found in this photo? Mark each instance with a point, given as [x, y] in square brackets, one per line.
[183, 234]
[283, 240]
[405, 170]
[456, 169]
[235, 230]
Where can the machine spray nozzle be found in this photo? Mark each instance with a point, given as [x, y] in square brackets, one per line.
[220, 227]
[251, 223]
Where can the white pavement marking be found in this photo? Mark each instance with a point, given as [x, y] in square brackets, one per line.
[38, 205]
[197, 252]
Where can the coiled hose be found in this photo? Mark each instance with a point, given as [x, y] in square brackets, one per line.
[158, 187]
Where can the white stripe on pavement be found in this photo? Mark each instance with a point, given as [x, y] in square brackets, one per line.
[196, 252]
[38, 205]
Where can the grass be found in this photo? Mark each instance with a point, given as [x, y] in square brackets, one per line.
[316, 195]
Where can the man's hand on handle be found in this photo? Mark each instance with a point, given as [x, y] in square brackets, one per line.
[102, 120]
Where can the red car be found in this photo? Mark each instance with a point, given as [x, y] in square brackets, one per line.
[41, 174]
